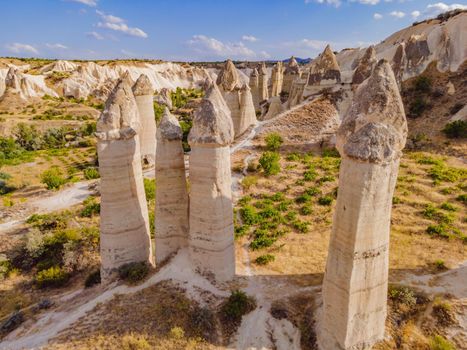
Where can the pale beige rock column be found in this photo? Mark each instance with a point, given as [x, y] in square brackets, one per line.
[263, 83]
[144, 93]
[370, 141]
[254, 87]
[124, 224]
[171, 224]
[211, 238]
[277, 79]
[291, 72]
[237, 98]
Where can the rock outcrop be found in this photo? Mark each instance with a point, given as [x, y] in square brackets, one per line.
[365, 66]
[277, 79]
[274, 108]
[254, 87]
[163, 98]
[20, 86]
[171, 224]
[211, 237]
[263, 83]
[325, 69]
[370, 139]
[143, 92]
[124, 224]
[291, 72]
[237, 97]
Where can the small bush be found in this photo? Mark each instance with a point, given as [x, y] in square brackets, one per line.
[306, 210]
[150, 189]
[249, 181]
[402, 295]
[438, 342]
[440, 230]
[91, 208]
[135, 342]
[330, 152]
[93, 279]
[91, 173]
[309, 175]
[441, 172]
[177, 333]
[440, 265]
[462, 198]
[53, 178]
[238, 304]
[158, 112]
[456, 130]
[325, 200]
[301, 226]
[265, 259]
[418, 106]
[442, 311]
[433, 213]
[269, 161]
[249, 215]
[133, 272]
[273, 142]
[422, 84]
[448, 206]
[51, 277]
[5, 267]
[293, 157]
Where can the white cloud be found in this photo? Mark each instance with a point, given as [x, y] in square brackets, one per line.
[211, 46]
[265, 55]
[367, 2]
[118, 24]
[313, 44]
[249, 38]
[56, 46]
[397, 14]
[439, 7]
[415, 14]
[95, 35]
[21, 48]
[92, 3]
[335, 3]
[377, 16]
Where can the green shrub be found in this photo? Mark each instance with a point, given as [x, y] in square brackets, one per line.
[249, 215]
[133, 272]
[441, 172]
[237, 305]
[462, 198]
[402, 295]
[241, 231]
[150, 189]
[249, 181]
[330, 152]
[91, 208]
[262, 240]
[438, 342]
[440, 265]
[433, 213]
[186, 126]
[396, 200]
[293, 157]
[301, 226]
[456, 130]
[53, 178]
[291, 215]
[28, 137]
[5, 267]
[265, 259]
[306, 210]
[448, 206]
[91, 173]
[93, 278]
[418, 106]
[441, 230]
[269, 161]
[52, 277]
[158, 112]
[422, 84]
[273, 141]
[442, 311]
[313, 191]
[309, 175]
[325, 200]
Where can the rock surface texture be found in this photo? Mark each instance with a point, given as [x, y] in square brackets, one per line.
[263, 83]
[254, 88]
[163, 98]
[291, 72]
[124, 225]
[325, 69]
[211, 237]
[171, 225]
[365, 66]
[277, 79]
[143, 92]
[238, 98]
[370, 140]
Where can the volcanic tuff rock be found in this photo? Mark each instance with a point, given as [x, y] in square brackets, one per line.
[254, 87]
[143, 92]
[263, 83]
[163, 98]
[277, 79]
[325, 69]
[211, 238]
[355, 284]
[124, 224]
[365, 66]
[171, 225]
[291, 72]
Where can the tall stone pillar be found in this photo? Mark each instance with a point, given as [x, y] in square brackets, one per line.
[277, 79]
[171, 223]
[254, 87]
[263, 83]
[370, 140]
[237, 99]
[124, 226]
[291, 72]
[144, 93]
[211, 238]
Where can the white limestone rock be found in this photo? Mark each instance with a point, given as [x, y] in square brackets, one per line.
[325, 69]
[263, 80]
[254, 87]
[277, 79]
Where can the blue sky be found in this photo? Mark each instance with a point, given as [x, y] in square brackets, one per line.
[191, 30]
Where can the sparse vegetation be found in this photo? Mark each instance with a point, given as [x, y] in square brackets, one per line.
[54, 276]
[133, 273]
[264, 259]
[456, 129]
[53, 178]
[273, 142]
[236, 306]
[269, 161]
[438, 342]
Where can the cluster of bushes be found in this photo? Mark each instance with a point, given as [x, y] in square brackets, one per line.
[443, 216]
[158, 112]
[180, 97]
[269, 162]
[235, 307]
[456, 129]
[53, 178]
[53, 250]
[133, 272]
[421, 87]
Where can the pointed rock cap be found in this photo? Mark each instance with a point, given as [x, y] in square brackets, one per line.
[292, 66]
[278, 67]
[120, 117]
[374, 129]
[262, 69]
[143, 86]
[370, 54]
[365, 66]
[126, 76]
[326, 61]
[228, 77]
[169, 128]
[212, 122]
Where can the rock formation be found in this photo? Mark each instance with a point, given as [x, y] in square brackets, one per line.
[263, 83]
[365, 66]
[370, 139]
[275, 107]
[143, 92]
[237, 97]
[163, 98]
[325, 69]
[124, 225]
[254, 87]
[211, 237]
[171, 223]
[291, 72]
[277, 79]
